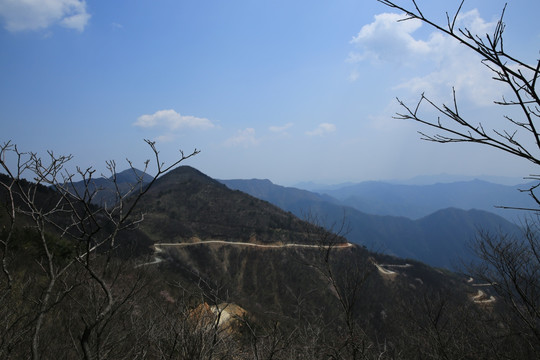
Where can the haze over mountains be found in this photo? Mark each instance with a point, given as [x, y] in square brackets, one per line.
[417, 180]
[416, 201]
[378, 215]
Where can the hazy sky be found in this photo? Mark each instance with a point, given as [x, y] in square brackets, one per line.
[286, 90]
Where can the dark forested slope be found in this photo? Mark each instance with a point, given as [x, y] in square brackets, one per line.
[185, 203]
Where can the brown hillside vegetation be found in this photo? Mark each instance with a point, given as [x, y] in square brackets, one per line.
[296, 291]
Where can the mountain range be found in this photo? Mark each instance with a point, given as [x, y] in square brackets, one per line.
[299, 291]
[265, 255]
[435, 224]
[443, 237]
[416, 201]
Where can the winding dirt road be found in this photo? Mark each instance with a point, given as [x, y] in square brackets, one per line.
[158, 247]
[268, 246]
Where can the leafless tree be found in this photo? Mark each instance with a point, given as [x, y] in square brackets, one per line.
[510, 264]
[74, 239]
[346, 277]
[520, 136]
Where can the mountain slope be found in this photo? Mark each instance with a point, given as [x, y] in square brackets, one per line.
[293, 199]
[186, 204]
[188, 207]
[315, 302]
[297, 288]
[440, 239]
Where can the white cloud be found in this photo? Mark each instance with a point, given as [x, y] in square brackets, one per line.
[322, 129]
[386, 39]
[244, 138]
[280, 129]
[354, 75]
[20, 15]
[171, 120]
[166, 138]
[434, 65]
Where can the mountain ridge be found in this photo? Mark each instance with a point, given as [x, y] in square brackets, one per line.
[185, 204]
[416, 201]
[301, 296]
[422, 239]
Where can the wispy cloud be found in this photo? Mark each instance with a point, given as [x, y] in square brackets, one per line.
[280, 129]
[439, 62]
[244, 138]
[322, 129]
[165, 138]
[171, 120]
[354, 75]
[19, 15]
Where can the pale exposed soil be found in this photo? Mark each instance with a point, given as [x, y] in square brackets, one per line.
[158, 247]
[481, 298]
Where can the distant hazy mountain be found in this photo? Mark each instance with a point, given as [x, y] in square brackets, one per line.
[107, 195]
[449, 178]
[293, 199]
[417, 180]
[440, 239]
[316, 187]
[416, 201]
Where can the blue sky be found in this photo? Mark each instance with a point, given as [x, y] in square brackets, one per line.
[286, 90]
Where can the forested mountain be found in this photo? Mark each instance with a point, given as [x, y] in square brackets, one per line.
[186, 203]
[442, 239]
[201, 271]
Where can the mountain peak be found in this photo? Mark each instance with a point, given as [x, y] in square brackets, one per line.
[132, 176]
[195, 205]
[185, 173]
